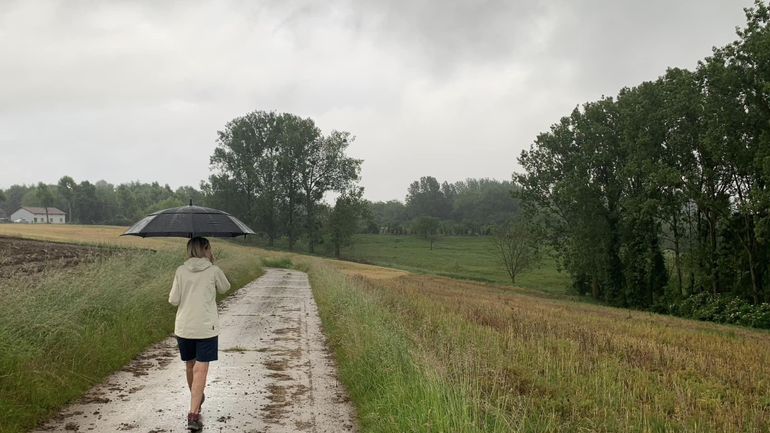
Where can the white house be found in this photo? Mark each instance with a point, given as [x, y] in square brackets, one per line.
[37, 215]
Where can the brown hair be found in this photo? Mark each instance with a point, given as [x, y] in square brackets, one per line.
[197, 246]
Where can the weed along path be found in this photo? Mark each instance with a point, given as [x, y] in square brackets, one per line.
[274, 374]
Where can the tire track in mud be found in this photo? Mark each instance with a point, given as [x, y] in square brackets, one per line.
[274, 374]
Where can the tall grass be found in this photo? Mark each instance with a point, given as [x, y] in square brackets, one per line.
[381, 367]
[430, 354]
[64, 332]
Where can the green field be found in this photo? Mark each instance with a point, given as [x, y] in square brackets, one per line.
[466, 257]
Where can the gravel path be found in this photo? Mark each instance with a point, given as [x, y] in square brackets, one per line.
[274, 374]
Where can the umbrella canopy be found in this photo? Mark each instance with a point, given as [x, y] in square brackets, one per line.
[189, 221]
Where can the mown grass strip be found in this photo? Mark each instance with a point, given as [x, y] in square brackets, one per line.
[64, 332]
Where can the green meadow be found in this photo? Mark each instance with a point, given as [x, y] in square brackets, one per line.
[464, 257]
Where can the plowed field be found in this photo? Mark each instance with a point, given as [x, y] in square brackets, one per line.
[28, 257]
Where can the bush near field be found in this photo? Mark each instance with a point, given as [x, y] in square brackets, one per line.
[721, 309]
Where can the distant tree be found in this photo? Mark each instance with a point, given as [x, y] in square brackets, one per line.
[14, 197]
[326, 168]
[468, 207]
[482, 204]
[106, 211]
[46, 198]
[168, 203]
[128, 203]
[427, 228]
[427, 197]
[66, 190]
[517, 246]
[343, 219]
[86, 203]
[388, 217]
[186, 193]
[100, 202]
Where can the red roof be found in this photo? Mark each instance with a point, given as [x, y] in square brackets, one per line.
[41, 210]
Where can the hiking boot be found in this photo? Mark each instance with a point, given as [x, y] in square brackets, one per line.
[194, 422]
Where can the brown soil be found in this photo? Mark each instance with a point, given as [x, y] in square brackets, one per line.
[25, 257]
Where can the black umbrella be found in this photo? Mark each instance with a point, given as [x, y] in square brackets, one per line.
[189, 221]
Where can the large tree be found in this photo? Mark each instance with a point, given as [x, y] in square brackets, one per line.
[296, 135]
[244, 166]
[269, 166]
[680, 163]
[66, 189]
[343, 218]
[326, 168]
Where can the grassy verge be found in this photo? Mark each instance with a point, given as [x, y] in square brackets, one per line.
[429, 354]
[64, 332]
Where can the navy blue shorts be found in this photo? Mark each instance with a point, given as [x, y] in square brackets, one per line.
[201, 350]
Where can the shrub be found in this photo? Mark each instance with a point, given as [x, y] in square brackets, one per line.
[722, 309]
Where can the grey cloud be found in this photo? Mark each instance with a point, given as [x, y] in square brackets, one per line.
[453, 32]
[448, 88]
[610, 45]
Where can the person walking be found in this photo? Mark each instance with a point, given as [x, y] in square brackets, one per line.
[196, 284]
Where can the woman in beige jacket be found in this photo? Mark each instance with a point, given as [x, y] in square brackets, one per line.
[194, 292]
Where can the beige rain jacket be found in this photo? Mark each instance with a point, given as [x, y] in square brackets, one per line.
[194, 291]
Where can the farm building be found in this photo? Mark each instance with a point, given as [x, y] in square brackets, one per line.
[37, 215]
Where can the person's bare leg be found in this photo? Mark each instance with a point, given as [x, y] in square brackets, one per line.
[189, 370]
[200, 371]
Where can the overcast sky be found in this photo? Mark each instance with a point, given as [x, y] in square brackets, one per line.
[123, 91]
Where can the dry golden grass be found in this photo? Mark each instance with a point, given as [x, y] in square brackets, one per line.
[100, 235]
[368, 271]
[110, 236]
[556, 365]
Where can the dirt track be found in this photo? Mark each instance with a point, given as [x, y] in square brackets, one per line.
[274, 374]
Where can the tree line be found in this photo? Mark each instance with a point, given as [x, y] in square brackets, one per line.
[661, 193]
[99, 202]
[468, 207]
[274, 170]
